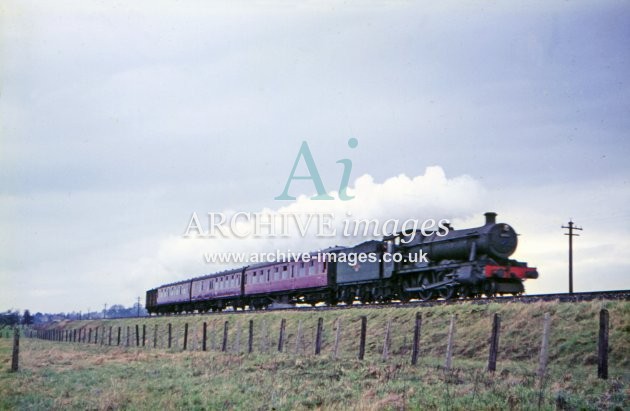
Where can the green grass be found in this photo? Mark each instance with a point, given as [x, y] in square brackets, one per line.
[80, 376]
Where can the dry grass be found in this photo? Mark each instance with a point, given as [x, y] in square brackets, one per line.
[91, 376]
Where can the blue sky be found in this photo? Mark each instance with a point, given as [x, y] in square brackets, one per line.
[118, 121]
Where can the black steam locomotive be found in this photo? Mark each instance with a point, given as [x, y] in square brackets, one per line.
[456, 263]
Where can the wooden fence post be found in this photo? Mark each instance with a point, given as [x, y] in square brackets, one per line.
[15, 358]
[109, 337]
[602, 345]
[362, 337]
[144, 334]
[185, 335]
[283, 324]
[225, 337]
[337, 339]
[170, 335]
[250, 338]
[318, 336]
[204, 334]
[128, 336]
[415, 349]
[89, 340]
[96, 335]
[544, 348]
[494, 343]
[155, 336]
[118, 342]
[449, 344]
[137, 335]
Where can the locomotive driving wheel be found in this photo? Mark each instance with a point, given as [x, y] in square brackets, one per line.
[425, 281]
[448, 291]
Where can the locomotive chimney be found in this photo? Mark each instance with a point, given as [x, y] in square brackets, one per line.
[491, 218]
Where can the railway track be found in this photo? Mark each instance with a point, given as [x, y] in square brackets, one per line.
[526, 299]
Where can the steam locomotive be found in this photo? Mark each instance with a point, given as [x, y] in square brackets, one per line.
[463, 263]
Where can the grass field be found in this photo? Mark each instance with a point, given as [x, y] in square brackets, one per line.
[55, 375]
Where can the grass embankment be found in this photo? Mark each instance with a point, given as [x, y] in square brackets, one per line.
[64, 375]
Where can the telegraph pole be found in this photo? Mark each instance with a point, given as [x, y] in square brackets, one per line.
[571, 227]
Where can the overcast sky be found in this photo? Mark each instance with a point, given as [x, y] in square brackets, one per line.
[118, 121]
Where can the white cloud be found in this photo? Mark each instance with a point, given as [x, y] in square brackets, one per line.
[428, 196]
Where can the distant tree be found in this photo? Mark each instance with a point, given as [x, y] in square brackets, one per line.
[27, 318]
[39, 318]
[9, 318]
